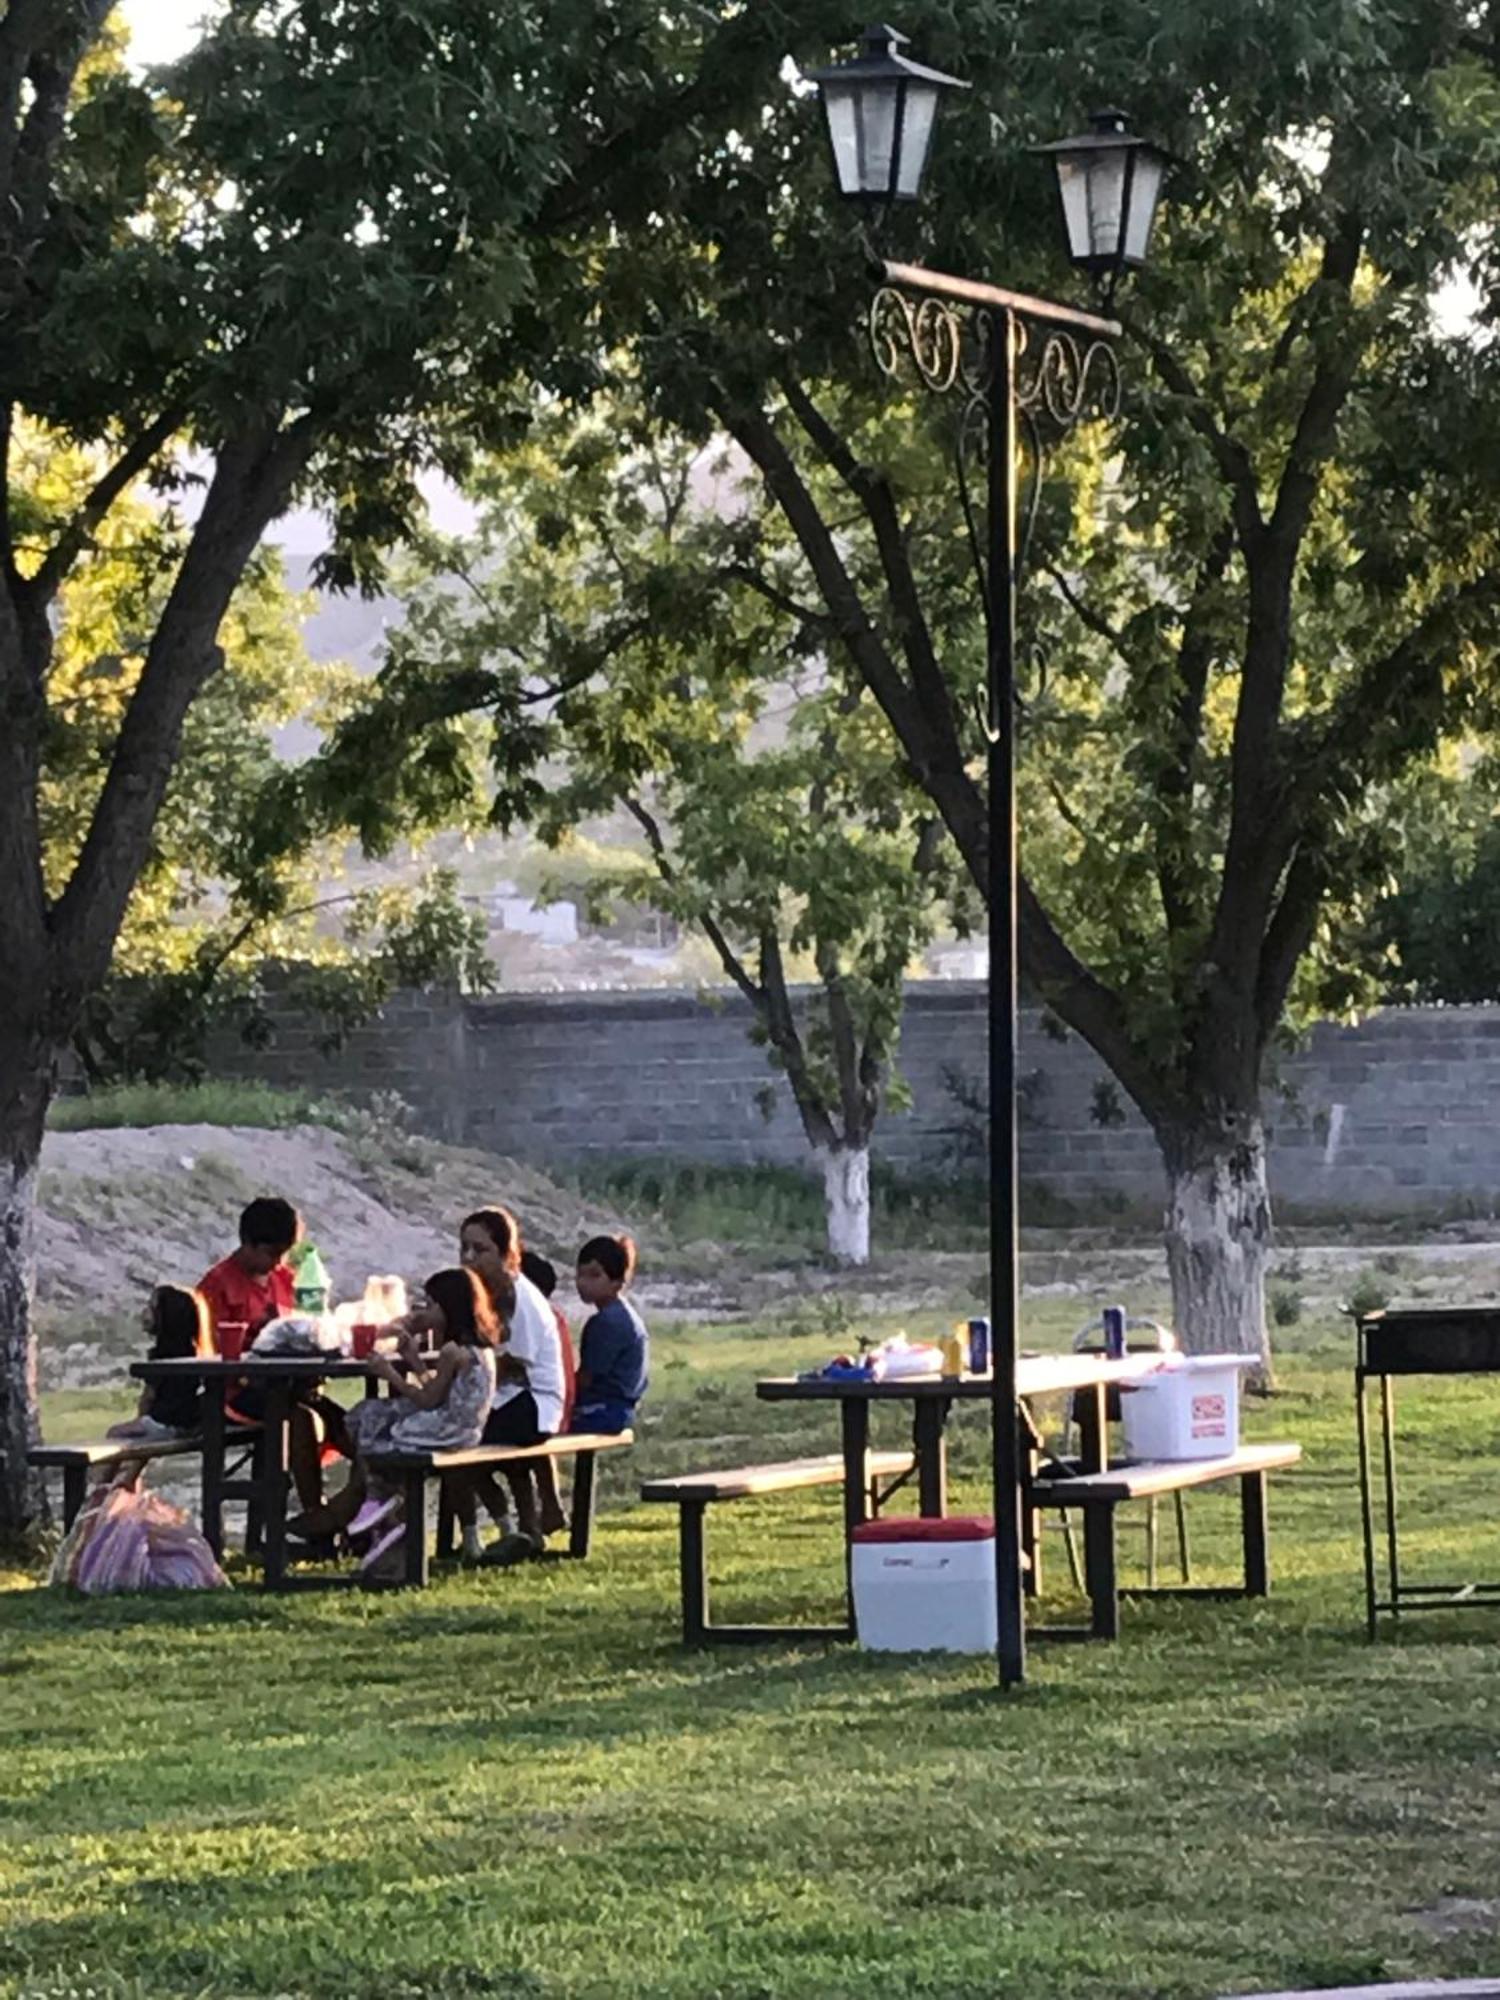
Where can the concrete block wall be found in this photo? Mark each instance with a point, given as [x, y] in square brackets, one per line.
[1399, 1112]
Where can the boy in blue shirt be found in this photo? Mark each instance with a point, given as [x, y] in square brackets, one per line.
[613, 1348]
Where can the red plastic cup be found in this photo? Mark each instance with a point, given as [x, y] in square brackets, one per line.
[364, 1336]
[232, 1335]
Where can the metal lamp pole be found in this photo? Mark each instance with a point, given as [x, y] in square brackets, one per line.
[1028, 372]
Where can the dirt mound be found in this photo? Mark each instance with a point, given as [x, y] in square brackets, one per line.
[122, 1210]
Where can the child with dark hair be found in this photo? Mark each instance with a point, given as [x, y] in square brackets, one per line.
[177, 1321]
[251, 1286]
[614, 1348]
[438, 1402]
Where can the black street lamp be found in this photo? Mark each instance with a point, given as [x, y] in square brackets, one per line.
[1021, 365]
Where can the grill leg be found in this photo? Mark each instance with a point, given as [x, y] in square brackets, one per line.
[1388, 1455]
[1366, 1505]
[1185, 1561]
[1257, 1534]
[693, 1557]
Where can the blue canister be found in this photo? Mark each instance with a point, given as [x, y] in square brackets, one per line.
[1114, 1332]
[979, 1347]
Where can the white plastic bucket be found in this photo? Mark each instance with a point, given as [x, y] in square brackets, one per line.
[925, 1586]
[1188, 1408]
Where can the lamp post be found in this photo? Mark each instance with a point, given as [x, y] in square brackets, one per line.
[1024, 368]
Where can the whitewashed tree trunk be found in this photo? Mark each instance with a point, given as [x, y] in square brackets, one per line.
[1218, 1235]
[846, 1200]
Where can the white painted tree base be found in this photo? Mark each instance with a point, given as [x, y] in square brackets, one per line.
[1218, 1235]
[846, 1201]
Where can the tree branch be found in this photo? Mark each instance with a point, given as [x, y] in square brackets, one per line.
[873, 491]
[251, 485]
[754, 579]
[44, 584]
[1288, 935]
[728, 957]
[1235, 465]
[1333, 377]
[1178, 769]
[1087, 1004]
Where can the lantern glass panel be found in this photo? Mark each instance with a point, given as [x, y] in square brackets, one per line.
[1145, 193]
[918, 114]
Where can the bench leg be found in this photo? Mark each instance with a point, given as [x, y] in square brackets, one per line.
[75, 1486]
[414, 1512]
[693, 1563]
[1099, 1568]
[581, 1525]
[211, 1469]
[446, 1521]
[1257, 1534]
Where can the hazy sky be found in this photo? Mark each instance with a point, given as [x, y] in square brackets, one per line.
[160, 28]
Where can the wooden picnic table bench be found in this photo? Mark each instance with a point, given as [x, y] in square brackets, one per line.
[693, 1493]
[77, 1461]
[1097, 1494]
[411, 1470]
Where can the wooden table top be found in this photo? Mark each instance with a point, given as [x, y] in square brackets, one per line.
[252, 1367]
[1036, 1375]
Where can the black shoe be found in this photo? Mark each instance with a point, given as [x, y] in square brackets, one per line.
[510, 1550]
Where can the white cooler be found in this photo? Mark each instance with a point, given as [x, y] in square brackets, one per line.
[925, 1586]
[1189, 1408]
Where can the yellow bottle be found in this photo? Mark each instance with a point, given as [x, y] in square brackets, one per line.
[953, 1354]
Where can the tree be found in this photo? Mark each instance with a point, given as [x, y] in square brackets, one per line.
[596, 624]
[333, 245]
[1259, 606]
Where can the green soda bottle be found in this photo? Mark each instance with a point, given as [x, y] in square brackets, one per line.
[310, 1281]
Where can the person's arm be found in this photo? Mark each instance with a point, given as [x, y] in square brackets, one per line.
[433, 1389]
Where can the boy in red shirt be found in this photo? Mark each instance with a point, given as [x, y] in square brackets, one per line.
[253, 1285]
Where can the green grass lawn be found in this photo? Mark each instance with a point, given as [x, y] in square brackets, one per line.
[517, 1784]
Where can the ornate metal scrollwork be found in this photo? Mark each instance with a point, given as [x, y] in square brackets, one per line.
[1059, 382]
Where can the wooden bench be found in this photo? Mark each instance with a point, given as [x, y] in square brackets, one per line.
[695, 1492]
[1098, 1494]
[77, 1461]
[412, 1470]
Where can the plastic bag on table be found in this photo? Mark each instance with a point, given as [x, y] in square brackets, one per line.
[301, 1334]
[127, 1539]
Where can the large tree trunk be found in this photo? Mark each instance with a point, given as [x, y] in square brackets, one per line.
[1218, 1235]
[846, 1199]
[27, 1071]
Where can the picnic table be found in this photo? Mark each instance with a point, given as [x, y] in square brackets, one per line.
[1085, 1377]
[1089, 1377]
[280, 1375]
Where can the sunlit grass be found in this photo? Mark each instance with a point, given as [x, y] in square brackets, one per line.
[518, 1784]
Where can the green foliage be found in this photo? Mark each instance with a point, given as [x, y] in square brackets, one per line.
[601, 624]
[1369, 1293]
[211, 1101]
[1438, 934]
[157, 1023]
[779, 1210]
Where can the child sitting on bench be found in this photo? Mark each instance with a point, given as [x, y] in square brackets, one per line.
[177, 1321]
[613, 1349]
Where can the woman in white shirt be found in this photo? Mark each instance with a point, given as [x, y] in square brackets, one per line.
[529, 1391]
